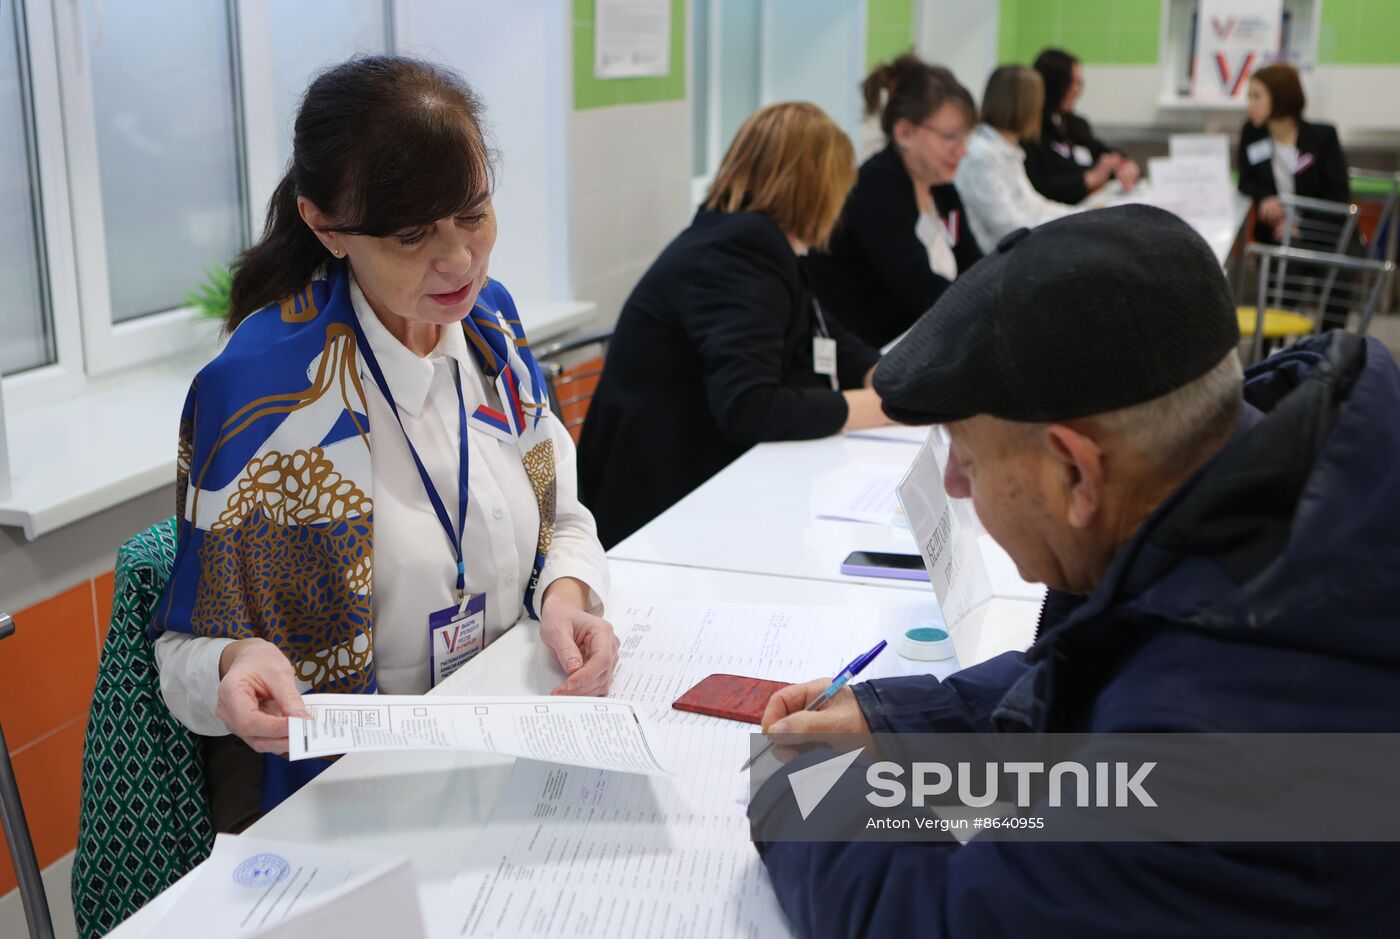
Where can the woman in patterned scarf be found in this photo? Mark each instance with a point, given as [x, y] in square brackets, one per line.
[371, 487]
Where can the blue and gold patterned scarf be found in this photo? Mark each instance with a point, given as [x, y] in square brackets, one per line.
[274, 491]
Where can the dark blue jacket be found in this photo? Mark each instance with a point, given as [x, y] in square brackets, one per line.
[1263, 596]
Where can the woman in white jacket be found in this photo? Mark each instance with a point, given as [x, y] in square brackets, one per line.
[991, 178]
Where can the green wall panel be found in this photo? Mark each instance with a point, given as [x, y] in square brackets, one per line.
[591, 92]
[889, 29]
[1359, 32]
[1098, 32]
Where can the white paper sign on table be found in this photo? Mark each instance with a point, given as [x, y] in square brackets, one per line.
[601, 733]
[1196, 187]
[277, 890]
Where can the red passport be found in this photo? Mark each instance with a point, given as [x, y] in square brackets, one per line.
[730, 696]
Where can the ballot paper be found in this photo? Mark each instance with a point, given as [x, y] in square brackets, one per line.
[593, 732]
[858, 494]
[588, 853]
[275, 890]
[669, 645]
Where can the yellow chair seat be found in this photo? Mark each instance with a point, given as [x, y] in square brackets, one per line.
[1278, 324]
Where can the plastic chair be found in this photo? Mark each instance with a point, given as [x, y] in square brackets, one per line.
[1319, 283]
[571, 387]
[144, 817]
[31, 882]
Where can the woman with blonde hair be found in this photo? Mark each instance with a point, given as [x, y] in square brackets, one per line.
[992, 176]
[721, 346]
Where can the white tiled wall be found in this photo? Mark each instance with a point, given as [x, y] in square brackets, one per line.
[629, 194]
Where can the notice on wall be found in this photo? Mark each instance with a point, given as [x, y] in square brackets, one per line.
[631, 38]
[1233, 39]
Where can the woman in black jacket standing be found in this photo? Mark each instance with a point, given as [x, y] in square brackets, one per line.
[1069, 162]
[720, 346]
[903, 236]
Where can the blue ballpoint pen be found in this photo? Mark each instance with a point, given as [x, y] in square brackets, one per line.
[837, 683]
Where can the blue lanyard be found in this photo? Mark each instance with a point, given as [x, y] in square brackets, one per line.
[454, 537]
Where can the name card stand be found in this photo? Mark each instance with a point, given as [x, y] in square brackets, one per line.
[986, 606]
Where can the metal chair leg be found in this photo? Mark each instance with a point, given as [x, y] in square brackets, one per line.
[31, 882]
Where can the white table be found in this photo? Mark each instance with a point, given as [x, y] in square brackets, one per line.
[1220, 233]
[757, 515]
[432, 806]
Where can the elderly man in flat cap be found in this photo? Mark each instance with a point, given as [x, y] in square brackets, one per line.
[1223, 555]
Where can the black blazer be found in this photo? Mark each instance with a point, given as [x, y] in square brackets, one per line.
[1322, 168]
[875, 278]
[1050, 162]
[711, 355]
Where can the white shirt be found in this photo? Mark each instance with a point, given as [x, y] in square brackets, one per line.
[1284, 164]
[415, 569]
[997, 193]
[933, 232]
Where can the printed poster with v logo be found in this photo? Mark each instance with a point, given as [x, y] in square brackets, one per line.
[1234, 38]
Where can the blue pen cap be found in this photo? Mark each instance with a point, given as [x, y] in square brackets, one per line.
[866, 659]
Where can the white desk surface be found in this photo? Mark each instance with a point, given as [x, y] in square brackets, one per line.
[1220, 233]
[757, 515]
[432, 806]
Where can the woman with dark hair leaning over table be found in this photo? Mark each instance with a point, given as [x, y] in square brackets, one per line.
[903, 236]
[369, 463]
[1068, 162]
[720, 346]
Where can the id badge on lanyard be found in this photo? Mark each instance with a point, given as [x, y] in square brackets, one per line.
[455, 635]
[458, 632]
[824, 350]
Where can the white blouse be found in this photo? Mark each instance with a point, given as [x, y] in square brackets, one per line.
[415, 570]
[997, 193]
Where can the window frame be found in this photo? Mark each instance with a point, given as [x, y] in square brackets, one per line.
[108, 346]
[65, 375]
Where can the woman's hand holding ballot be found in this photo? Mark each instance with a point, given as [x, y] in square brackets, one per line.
[257, 693]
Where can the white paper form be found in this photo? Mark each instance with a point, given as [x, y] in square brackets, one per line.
[582, 853]
[595, 732]
[859, 494]
[256, 887]
[670, 645]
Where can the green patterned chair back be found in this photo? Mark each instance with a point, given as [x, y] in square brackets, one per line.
[144, 818]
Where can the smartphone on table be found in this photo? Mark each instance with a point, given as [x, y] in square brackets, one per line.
[884, 564]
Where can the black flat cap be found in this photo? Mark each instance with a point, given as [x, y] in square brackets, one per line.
[1083, 315]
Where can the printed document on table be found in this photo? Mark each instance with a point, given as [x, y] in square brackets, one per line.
[859, 494]
[669, 645]
[596, 732]
[256, 887]
[587, 853]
